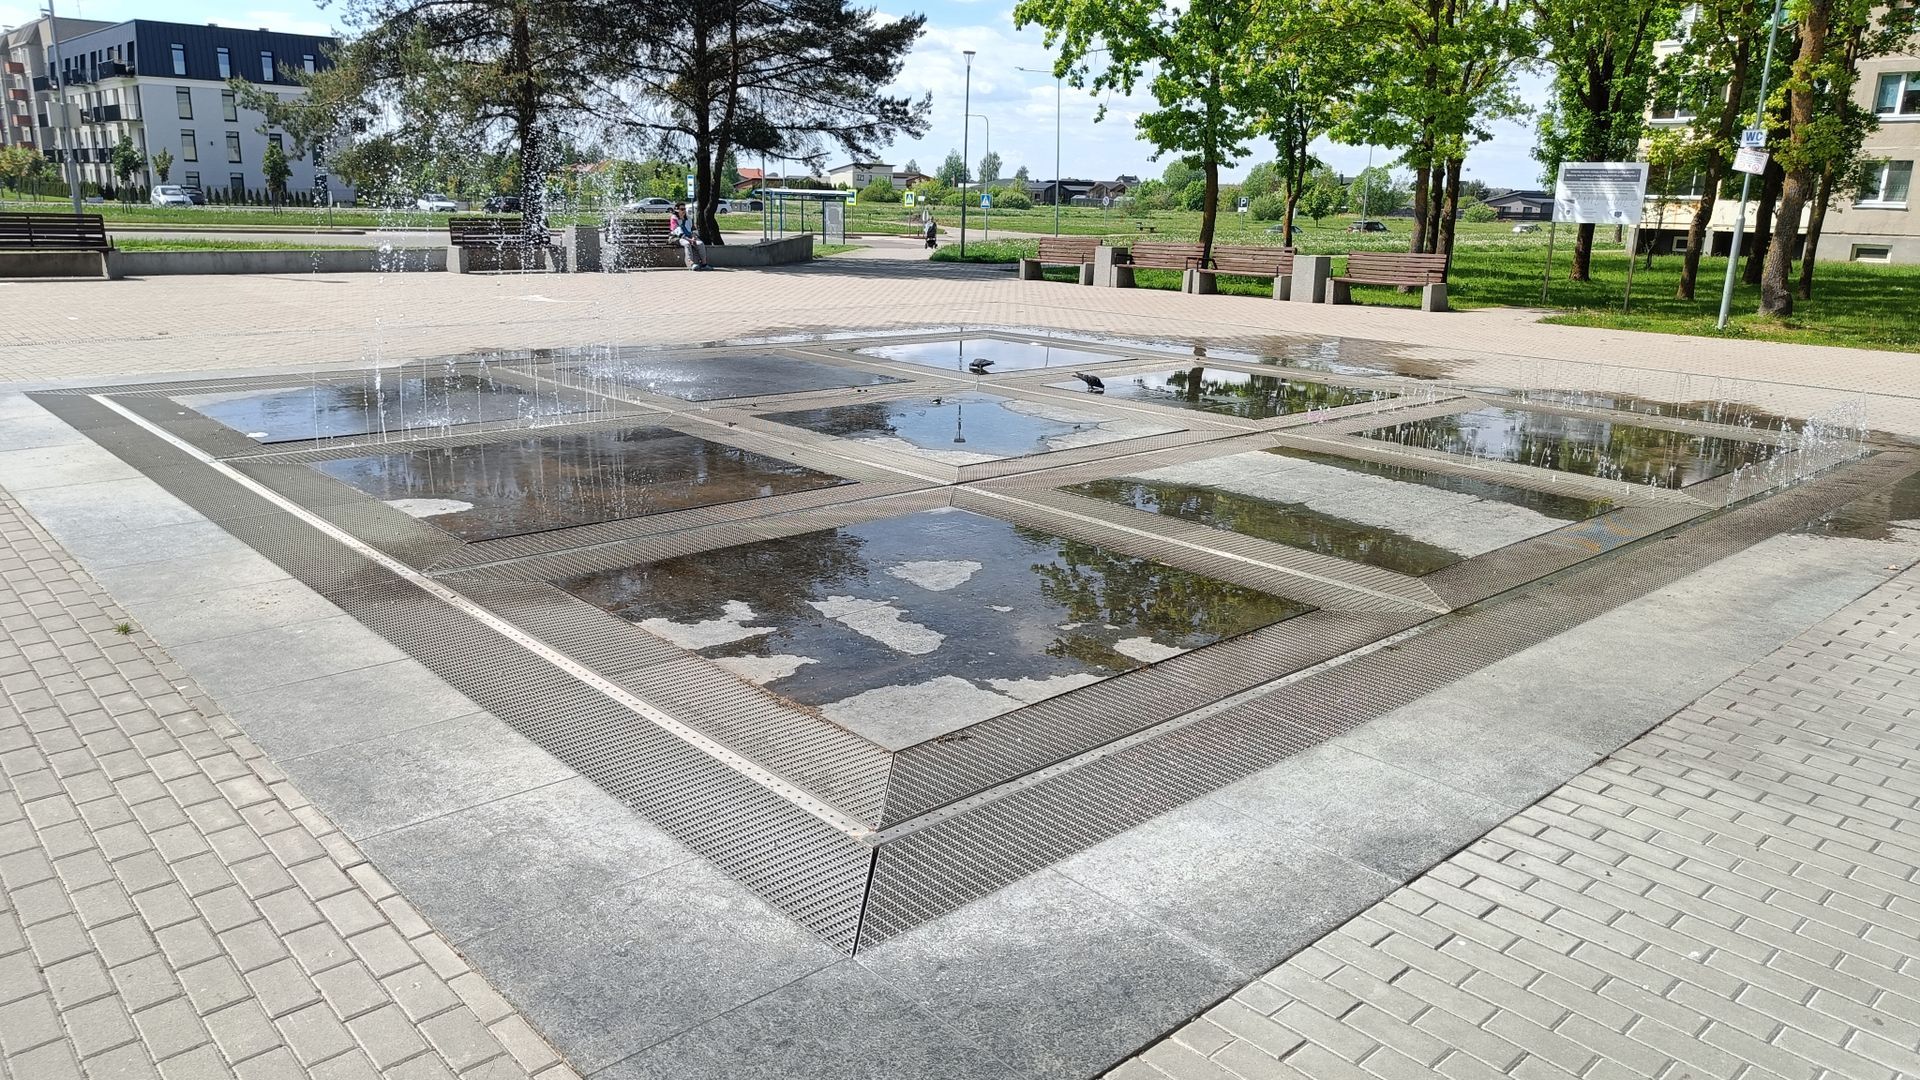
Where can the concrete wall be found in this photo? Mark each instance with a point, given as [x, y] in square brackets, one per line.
[344, 261]
[52, 264]
[790, 249]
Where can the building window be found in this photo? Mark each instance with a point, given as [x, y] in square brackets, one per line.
[179, 59]
[266, 66]
[1874, 253]
[308, 64]
[1887, 185]
[189, 150]
[191, 179]
[233, 146]
[1899, 94]
[183, 99]
[229, 107]
[274, 140]
[319, 158]
[225, 58]
[237, 184]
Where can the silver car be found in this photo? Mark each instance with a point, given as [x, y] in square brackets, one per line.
[169, 195]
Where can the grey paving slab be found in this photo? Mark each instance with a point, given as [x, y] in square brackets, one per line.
[839, 1023]
[1378, 815]
[608, 976]
[1252, 893]
[229, 613]
[372, 786]
[150, 587]
[107, 506]
[111, 549]
[1050, 976]
[34, 428]
[277, 656]
[482, 867]
[347, 707]
[1733, 894]
[59, 466]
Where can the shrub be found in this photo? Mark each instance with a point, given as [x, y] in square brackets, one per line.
[1011, 199]
[880, 191]
[1269, 207]
[1479, 212]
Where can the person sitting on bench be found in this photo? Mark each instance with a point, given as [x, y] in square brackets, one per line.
[680, 227]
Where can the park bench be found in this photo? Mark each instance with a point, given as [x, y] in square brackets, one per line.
[54, 245]
[500, 243]
[1427, 272]
[1248, 261]
[1074, 251]
[638, 243]
[1156, 256]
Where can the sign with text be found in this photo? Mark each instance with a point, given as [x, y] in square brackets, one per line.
[1753, 137]
[1600, 192]
[690, 189]
[1750, 159]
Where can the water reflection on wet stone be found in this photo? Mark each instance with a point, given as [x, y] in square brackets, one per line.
[1574, 444]
[967, 427]
[955, 354]
[1400, 519]
[533, 484]
[1223, 390]
[906, 628]
[718, 378]
[376, 405]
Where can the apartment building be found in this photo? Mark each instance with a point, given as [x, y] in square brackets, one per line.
[23, 80]
[166, 86]
[1879, 224]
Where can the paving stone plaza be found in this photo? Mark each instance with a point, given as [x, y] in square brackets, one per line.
[881, 669]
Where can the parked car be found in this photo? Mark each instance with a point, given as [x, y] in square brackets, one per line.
[435, 204]
[169, 195]
[502, 204]
[1279, 227]
[1526, 228]
[1367, 226]
[648, 206]
[198, 197]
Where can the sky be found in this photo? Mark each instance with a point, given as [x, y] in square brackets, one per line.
[1014, 109]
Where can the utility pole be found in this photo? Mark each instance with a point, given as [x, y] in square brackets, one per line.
[1746, 185]
[986, 231]
[966, 108]
[59, 86]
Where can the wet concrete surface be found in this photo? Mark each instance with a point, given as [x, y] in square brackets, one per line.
[955, 354]
[1226, 391]
[719, 378]
[1397, 518]
[534, 484]
[1588, 447]
[969, 427]
[908, 628]
[380, 403]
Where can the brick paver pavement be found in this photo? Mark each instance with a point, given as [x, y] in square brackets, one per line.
[171, 906]
[1736, 894]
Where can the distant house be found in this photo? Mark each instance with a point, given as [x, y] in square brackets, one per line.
[1522, 205]
[858, 174]
[1079, 192]
[754, 180]
[906, 178]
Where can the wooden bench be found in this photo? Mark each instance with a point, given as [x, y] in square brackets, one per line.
[1075, 251]
[55, 245]
[1156, 256]
[1248, 261]
[1427, 272]
[638, 242]
[500, 243]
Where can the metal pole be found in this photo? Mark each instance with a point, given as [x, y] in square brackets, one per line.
[1546, 276]
[1056, 155]
[986, 230]
[966, 125]
[1746, 185]
[59, 102]
[1633, 256]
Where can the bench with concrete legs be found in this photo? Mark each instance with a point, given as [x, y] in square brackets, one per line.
[55, 245]
[1425, 271]
[1248, 261]
[1075, 251]
[496, 243]
[1185, 258]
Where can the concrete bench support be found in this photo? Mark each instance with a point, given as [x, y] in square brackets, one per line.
[1311, 274]
[1433, 297]
[582, 246]
[1106, 268]
[1205, 284]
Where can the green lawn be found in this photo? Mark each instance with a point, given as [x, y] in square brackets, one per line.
[821, 251]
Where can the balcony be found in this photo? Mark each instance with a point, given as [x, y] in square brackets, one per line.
[21, 120]
[15, 67]
[42, 84]
[113, 69]
[18, 93]
[101, 114]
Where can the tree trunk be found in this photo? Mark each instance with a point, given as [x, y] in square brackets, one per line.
[1449, 208]
[1421, 175]
[1582, 268]
[1286, 231]
[1210, 209]
[1713, 170]
[1438, 178]
[1763, 223]
[1814, 222]
[526, 122]
[1798, 184]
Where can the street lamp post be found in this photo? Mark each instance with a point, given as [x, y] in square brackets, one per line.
[966, 110]
[986, 230]
[1056, 145]
[1746, 185]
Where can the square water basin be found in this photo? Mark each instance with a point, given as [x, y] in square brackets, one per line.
[969, 427]
[376, 405]
[717, 378]
[908, 628]
[533, 484]
[1223, 390]
[1007, 354]
[1577, 444]
[1399, 519]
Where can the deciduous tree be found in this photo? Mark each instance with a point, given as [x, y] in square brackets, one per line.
[162, 164]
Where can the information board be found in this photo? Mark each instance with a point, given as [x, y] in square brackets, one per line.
[1750, 160]
[1600, 192]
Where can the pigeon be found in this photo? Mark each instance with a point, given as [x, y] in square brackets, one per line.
[1093, 382]
[979, 366]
